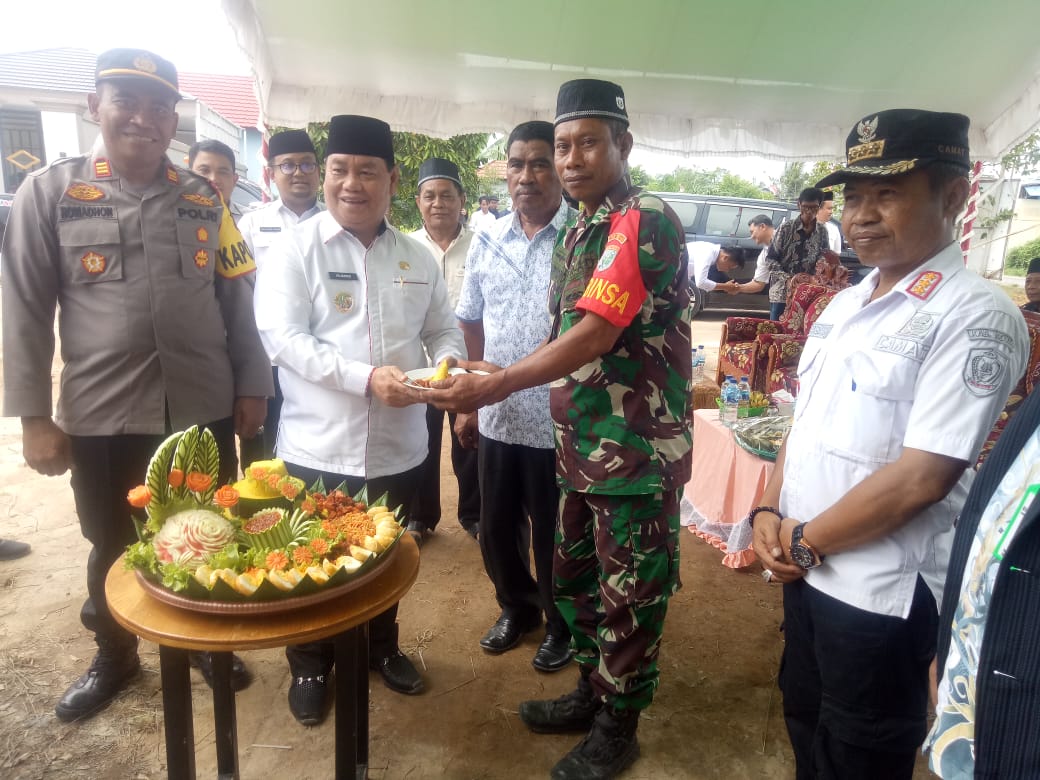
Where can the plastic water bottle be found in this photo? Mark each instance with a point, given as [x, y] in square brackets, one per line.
[699, 368]
[743, 397]
[730, 401]
[696, 375]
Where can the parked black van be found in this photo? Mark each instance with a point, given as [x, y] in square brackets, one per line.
[721, 219]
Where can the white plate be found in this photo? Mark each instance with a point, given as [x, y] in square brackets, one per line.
[426, 373]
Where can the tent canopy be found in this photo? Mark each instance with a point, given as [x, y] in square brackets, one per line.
[700, 76]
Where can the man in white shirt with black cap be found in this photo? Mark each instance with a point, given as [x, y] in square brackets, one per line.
[902, 378]
[344, 308]
[440, 196]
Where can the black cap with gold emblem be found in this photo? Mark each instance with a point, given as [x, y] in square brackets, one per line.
[901, 140]
[136, 64]
[353, 134]
[590, 99]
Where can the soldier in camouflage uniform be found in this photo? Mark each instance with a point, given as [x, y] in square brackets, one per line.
[618, 361]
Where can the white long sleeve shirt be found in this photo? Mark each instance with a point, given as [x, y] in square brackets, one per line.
[263, 227]
[703, 255]
[329, 312]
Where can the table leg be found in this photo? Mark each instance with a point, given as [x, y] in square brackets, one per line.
[224, 719]
[180, 733]
[352, 704]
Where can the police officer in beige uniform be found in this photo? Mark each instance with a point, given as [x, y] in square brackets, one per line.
[156, 323]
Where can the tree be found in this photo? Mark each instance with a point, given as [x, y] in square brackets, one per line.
[699, 182]
[1023, 157]
[410, 150]
[792, 181]
[821, 169]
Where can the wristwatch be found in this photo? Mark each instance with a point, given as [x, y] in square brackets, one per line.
[801, 553]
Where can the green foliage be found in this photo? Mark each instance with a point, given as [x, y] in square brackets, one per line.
[700, 182]
[1017, 260]
[639, 176]
[817, 172]
[1023, 157]
[792, 181]
[411, 149]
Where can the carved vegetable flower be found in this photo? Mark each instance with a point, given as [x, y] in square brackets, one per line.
[277, 560]
[188, 537]
[139, 497]
[198, 482]
[226, 497]
[176, 478]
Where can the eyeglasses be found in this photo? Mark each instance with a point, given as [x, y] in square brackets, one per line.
[289, 168]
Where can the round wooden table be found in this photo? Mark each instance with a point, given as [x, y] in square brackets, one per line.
[177, 631]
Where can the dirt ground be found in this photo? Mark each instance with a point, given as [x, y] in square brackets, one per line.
[716, 714]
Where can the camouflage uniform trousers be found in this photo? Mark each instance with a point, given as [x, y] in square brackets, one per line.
[615, 566]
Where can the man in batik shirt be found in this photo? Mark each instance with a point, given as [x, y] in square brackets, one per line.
[617, 359]
[797, 245]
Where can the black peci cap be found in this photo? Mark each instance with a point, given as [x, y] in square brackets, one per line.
[438, 168]
[289, 142]
[590, 98]
[353, 134]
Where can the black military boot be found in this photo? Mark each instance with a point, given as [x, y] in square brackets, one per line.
[114, 665]
[572, 712]
[608, 749]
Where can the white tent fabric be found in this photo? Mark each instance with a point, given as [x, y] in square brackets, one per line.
[701, 77]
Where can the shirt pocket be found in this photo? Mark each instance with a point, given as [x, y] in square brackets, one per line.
[91, 251]
[198, 243]
[871, 411]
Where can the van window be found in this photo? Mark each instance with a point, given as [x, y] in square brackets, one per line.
[686, 211]
[722, 220]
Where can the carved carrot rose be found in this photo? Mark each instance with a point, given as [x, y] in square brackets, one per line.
[139, 497]
[198, 482]
[176, 478]
[226, 497]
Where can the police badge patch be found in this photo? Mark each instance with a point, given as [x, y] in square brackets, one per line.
[202, 235]
[93, 262]
[202, 258]
[984, 370]
[87, 192]
[343, 302]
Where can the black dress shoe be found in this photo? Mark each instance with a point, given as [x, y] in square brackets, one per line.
[240, 676]
[308, 699]
[399, 673]
[417, 530]
[507, 633]
[553, 655]
[10, 549]
[108, 674]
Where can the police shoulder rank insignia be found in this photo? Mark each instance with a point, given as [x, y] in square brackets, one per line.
[925, 284]
[102, 169]
[172, 176]
[93, 262]
[198, 200]
[201, 258]
[202, 235]
[87, 192]
[343, 302]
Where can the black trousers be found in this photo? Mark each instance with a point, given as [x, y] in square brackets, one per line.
[518, 517]
[855, 684]
[104, 469]
[316, 658]
[426, 507]
[261, 446]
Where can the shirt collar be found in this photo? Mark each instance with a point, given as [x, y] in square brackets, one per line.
[921, 284]
[329, 228]
[559, 219]
[617, 194]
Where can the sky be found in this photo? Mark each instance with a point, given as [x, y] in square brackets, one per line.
[197, 37]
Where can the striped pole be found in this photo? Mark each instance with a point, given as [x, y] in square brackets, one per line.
[968, 225]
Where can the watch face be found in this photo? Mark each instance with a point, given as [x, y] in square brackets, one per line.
[801, 555]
